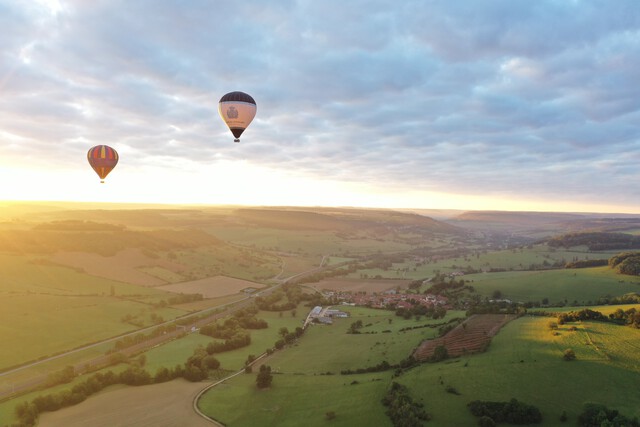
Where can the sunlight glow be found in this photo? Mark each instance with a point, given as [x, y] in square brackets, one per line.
[243, 183]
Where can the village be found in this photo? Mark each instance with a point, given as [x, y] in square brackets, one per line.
[384, 300]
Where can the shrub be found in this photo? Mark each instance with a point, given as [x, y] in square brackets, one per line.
[569, 355]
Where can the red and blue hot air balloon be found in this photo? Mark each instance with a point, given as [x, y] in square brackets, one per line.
[102, 159]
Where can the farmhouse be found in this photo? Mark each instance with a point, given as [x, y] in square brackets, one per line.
[324, 315]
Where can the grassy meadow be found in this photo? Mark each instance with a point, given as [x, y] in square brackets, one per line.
[307, 381]
[583, 285]
[524, 361]
[48, 309]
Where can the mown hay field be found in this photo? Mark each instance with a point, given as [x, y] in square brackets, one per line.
[211, 287]
[167, 404]
[125, 266]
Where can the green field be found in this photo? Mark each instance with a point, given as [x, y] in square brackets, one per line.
[296, 400]
[539, 255]
[307, 383]
[48, 309]
[581, 284]
[524, 361]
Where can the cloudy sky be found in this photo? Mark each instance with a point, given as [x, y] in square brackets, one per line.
[503, 104]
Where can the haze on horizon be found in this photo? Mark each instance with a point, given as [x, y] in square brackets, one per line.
[498, 105]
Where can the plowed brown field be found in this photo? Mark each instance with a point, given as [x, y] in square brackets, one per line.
[472, 336]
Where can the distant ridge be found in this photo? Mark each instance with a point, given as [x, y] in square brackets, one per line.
[340, 219]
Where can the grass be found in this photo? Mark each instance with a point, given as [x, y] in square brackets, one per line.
[508, 259]
[302, 391]
[295, 400]
[42, 325]
[525, 361]
[582, 285]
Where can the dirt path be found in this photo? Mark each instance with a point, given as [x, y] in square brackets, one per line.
[159, 405]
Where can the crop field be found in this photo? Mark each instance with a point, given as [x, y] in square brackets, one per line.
[39, 325]
[125, 266]
[306, 242]
[47, 308]
[211, 287]
[292, 264]
[228, 260]
[472, 336]
[168, 404]
[358, 285]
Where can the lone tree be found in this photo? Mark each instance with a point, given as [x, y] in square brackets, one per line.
[264, 378]
[569, 355]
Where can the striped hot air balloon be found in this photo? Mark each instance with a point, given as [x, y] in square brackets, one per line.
[237, 109]
[102, 159]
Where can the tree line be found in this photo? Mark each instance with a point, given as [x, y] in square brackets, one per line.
[512, 412]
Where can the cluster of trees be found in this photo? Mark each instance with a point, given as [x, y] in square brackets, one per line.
[233, 330]
[402, 409]
[131, 340]
[597, 415]
[404, 364]
[441, 286]
[274, 302]
[198, 365]
[596, 241]
[355, 327]
[288, 337]
[380, 367]
[585, 314]
[626, 263]
[264, 377]
[435, 312]
[493, 307]
[512, 412]
[587, 263]
[630, 317]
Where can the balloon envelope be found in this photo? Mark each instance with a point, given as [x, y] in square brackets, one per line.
[102, 159]
[237, 109]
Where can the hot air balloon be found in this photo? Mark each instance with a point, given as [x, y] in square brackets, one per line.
[237, 109]
[102, 159]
